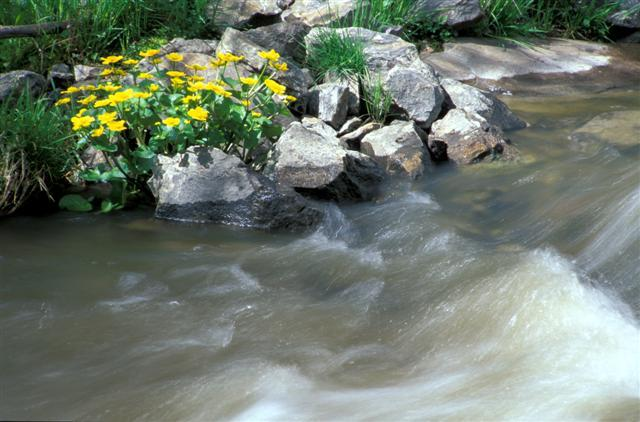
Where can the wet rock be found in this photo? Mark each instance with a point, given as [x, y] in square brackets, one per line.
[318, 12]
[469, 139]
[60, 76]
[237, 42]
[317, 165]
[619, 128]
[414, 95]
[349, 126]
[330, 103]
[399, 148]
[206, 185]
[194, 45]
[284, 37]
[483, 103]
[247, 13]
[547, 67]
[352, 140]
[17, 81]
[458, 14]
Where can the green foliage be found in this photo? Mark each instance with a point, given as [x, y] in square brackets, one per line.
[36, 151]
[169, 108]
[335, 52]
[376, 99]
[99, 26]
[74, 202]
[512, 19]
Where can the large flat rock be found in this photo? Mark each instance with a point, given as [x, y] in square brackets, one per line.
[545, 67]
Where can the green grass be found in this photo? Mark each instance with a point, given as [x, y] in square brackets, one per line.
[99, 27]
[336, 53]
[513, 19]
[36, 150]
[376, 98]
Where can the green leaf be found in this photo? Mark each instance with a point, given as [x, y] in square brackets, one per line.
[75, 203]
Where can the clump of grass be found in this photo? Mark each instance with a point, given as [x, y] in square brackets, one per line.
[36, 150]
[377, 100]
[512, 19]
[336, 53]
[98, 27]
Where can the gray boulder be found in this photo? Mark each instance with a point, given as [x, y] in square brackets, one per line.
[469, 138]
[234, 41]
[247, 13]
[458, 14]
[207, 185]
[318, 12]
[352, 140]
[17, 81]
[483, 103]
[399, 148]
[194, 45]
[414, 95]
[627, 15]
[287, 38]
[316, 164]
[330, 103]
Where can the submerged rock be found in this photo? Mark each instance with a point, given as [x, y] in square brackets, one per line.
[399, 148]
[17, 81]
[312, 161]
[483, 103]
[468, 139]
[206, 185]
[620, 128]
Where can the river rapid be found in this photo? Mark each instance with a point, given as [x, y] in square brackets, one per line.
[488, 292]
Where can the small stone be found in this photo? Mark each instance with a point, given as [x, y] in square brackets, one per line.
[350, 125]
[329, 102]
[352, 140]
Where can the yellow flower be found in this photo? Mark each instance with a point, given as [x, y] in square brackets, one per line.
[272, 56]
[143, 95]
[120, 72]
[190, 98]
[102, 103]
[80, 122]
[156, 61]
[171, 121]
[109, 87]
[177, 82]
[117, 126]
[87, 88]
[249, 81]
[217, 62]
[70, 90]
[107, 72]
[174, 57]
[187, 122]
[256, 114]
[198, 113]
[97, 132]
[275, 87]
[245, 103]
[196, 86]
[153, 87]
[122, 96]
[145, 75]
[88, 100]
[196, 78]
[196, 67]
[81, 112]
[149, 53]
[175, 74]
[290, 99]
[111, 59]
[217, 89]
[229, 57]
[282, 67]
[107, 117]
[131, 62]
[62, 101]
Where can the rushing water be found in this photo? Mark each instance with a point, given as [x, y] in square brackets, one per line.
[488, 292]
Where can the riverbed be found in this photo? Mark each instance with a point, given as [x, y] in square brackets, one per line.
[489, 292]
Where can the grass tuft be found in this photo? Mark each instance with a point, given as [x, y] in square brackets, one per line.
[336, 53]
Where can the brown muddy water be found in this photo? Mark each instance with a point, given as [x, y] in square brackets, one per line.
[492, 292]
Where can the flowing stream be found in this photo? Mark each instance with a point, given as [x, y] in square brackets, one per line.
[488, 292]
